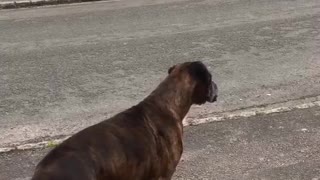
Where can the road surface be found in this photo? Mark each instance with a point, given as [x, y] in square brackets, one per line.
[63, 68]
[277, 146]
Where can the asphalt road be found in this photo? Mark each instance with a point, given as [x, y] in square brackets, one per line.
[282, 146]
[65, 67]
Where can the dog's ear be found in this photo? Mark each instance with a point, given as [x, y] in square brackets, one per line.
[170, 69]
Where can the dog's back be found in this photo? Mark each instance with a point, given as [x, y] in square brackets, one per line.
[120, 148]
[65, 163]
[63, 168]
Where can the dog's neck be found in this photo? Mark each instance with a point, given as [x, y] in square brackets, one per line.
[173, 95]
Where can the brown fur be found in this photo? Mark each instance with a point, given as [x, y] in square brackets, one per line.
[143, 142]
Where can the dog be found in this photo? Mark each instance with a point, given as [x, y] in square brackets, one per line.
[143, 142]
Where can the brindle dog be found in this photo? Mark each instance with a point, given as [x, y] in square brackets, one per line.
[143, 142]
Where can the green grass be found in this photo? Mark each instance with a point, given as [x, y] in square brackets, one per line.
[52, 144]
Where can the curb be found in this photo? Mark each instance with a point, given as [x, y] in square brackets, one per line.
[254, 111]
[42, 144]
[235, 114]
[31, 3]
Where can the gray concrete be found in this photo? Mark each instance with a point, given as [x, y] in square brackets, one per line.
[14, 4]
[66, 67]
[283, 146]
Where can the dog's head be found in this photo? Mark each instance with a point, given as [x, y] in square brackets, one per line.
[205, 89]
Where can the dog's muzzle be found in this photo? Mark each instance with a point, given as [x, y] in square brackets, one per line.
[213, 92]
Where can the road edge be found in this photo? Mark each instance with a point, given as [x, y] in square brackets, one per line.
[302, 103]
[235, 114]
[34, 3]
